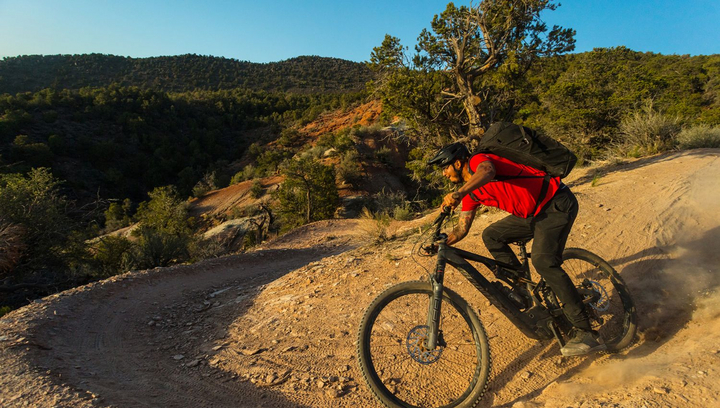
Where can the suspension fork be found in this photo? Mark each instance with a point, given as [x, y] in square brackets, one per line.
[435, 304]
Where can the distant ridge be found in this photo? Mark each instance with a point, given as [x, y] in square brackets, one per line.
[182, 73]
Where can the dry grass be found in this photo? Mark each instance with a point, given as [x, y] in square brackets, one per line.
[699, 136]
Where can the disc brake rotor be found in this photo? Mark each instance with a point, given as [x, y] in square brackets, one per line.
[416, 345]
[603, 302]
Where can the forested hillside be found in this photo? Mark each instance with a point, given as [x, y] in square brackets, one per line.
[181, 73]
[589, 99]
[92, 143]
[122, 142]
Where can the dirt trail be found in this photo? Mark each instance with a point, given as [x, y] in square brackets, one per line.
[277, 327]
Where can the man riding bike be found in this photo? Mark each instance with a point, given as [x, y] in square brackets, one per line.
[491, 180]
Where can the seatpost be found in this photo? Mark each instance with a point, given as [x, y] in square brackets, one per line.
[525, 256]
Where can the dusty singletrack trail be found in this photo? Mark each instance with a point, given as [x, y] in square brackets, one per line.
[277, 327]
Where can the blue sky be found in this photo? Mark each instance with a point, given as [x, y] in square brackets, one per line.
[274, 30]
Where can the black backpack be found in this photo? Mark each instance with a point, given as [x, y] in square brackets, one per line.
[526, 146]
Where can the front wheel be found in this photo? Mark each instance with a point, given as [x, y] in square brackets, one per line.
[399, 369]
[606, 297]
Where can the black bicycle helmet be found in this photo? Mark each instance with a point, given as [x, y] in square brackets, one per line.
[448, 154]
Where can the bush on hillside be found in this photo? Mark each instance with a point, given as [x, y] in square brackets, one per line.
[165, 212]
[247, 173]
[393, 204]
[348, 170]
[699, 136]
[165, 232]
[206, 184]
[111, 255]
[118, 215]
[256, 189]
[34, 203]
[156, 248]
[648, 131]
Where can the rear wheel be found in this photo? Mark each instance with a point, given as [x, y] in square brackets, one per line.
[606, 297]
[398, 368]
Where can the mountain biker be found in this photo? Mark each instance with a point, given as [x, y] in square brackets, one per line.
[548, 221]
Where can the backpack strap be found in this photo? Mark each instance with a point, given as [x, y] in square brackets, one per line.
[501, 178]
[543, 193]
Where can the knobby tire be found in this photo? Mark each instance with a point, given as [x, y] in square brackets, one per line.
[617, 324]
[455, 377]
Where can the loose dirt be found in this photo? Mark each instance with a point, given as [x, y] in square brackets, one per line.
[276, 327]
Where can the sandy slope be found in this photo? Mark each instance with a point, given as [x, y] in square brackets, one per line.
[277, 327]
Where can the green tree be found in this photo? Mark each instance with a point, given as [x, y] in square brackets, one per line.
[165, 212]
[165, 231]
[484, 52]
[308, 193]
[34, 203]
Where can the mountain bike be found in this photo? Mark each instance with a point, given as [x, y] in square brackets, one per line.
[420, 344]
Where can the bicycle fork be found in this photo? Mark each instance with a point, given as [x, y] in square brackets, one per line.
[435, 304]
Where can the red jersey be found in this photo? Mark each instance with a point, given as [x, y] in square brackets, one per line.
[518, 196]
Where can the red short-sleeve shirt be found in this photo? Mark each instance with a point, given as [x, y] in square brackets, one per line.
[518, 196]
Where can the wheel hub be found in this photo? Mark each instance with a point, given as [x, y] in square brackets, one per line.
[601, 299]
[417, 346]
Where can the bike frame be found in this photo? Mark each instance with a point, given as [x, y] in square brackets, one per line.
[536, 322]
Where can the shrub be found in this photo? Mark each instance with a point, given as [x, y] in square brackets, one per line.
[269, 161]
[348, 169]
[387, 201]
[362, 132]
[110, 255]
[341, 141]
[403, 213]
[247, 173]
[206, 184]
[315, 152]
[156, 248]
[699, 136]
[376, 226]
[35, 203]
[384, 155]
[165, 230]
[647, 132]
[118, 215]
[256, 190]
[289, 137]
[5, 310]
[206, 249]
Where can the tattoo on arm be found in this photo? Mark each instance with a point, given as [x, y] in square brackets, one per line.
[463, 226]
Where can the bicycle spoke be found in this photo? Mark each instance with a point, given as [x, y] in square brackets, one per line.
[431, 379]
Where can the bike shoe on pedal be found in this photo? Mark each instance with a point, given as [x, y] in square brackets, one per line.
[583, 342]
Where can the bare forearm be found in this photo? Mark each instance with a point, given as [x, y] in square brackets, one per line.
[461, 229]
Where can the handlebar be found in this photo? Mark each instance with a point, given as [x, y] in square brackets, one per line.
[431, 249]
[446, 211]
